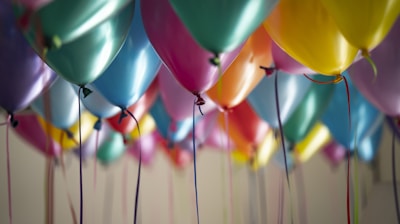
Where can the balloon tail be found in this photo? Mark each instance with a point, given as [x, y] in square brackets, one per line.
[49, 190]
[69, 198]
[394, 177]
[139, 167]
[337, 79]
[367, 57]
[95, 162]
[194, 160]
[229, 167]
[216, 61]
[199, 102]
[268, 70]
[348, 100]
[10, 213]
[80, 155]
[85, 91]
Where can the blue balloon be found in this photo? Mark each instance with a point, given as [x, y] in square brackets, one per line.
[62, 105]
[133, 69]
[97, 104]
[173, 131]
[291, 90]
[368, 147]
[363, 115]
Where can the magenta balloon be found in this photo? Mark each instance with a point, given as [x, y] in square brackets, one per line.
[177, 100]
[286, 63]
[210, 134]
[384, 92]
[23, 75]
[334, 152]
[149, 144]
[187, 61]
[32, 132]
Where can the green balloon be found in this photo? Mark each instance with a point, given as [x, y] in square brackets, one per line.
[112, 148]
[310, 110]
[220, 25]
[80, 38]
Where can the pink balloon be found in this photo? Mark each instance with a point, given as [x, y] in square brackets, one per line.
[286, 63]
[148, 143]
[383, 92]
[334, 152]
[210, 134]
[177, 100]
[32, 132]
[186, 60]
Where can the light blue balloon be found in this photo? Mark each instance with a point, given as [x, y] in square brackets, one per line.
[173, 131]
[63, 104]
[291, 90]
[134, 68]
[363, 115]
[368, 147]
[97, 104]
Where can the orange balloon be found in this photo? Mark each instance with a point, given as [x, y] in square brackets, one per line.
[244, 73]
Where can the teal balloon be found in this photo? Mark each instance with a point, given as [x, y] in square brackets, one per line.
[291, 91]
[80, 38]
[134, 68]
[369, 145]
[220, 25]
[112, 148]
[310, 110]
[363, 116]
[59, 105]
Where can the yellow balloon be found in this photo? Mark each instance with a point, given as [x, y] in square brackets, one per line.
[239, 157]
[318, 137]
[146, 124]
[364, 23]
[87, 123]
[265, 150]
[306, 31]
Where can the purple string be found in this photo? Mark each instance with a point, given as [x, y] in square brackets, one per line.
[80, 159]
[194, 161]
[396, 195]
[10, 221]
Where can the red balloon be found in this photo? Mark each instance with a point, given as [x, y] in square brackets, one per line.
[139, 109]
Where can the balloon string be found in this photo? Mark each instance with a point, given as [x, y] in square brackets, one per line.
[10, 213]
[348, 189]
[194, 162]
[69, 198]
[139, 168]
[124, 192]
[262, 195]
[171, 196]
[302, 202]
[50, 191]
[95, 161]
[80, 157]
[223, 187]
[108, 199]
[394, 177]
[229, 167]
[280, 203]
[355, 185]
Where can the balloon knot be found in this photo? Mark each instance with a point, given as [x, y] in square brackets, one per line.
[268, 71]
[122, 115]
[14, 123]
[125, 139]
[365, 53]
[69, 134]
[170, 144]
[98, 124]
[200, 101]
[85, 91]
[216, 61]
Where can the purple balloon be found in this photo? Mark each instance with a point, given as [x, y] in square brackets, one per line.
[23, 75]
[177, 100]
[334, 152]
[384, 92]
[32, 132]
[96, 138]
[148, 143]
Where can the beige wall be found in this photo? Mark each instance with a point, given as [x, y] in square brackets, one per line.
[325, 190]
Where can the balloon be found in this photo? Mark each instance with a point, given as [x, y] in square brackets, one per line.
[97, 104]
[287, 64]
[244, 74]
[363, 116]
[93, 142]
[368, 147]
[134, 68]
[179, 157]
[139, 109]
[59, 105]
[79, 38]
[382, 91]
[310, 110]
[315, 140]
[291, 91]
[171, 130]
[147, 126]
[23, 74]
[186, 60]
[307, 33]
[112, 148]
[72, 141]
[219, 26]
[363, 23]
[30, 130]
[148, 144]
[265, 150]
[334, 152]
[177, 100]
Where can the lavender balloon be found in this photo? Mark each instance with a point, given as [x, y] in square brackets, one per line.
[95, 140]
[23, 75]
[383, 92]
